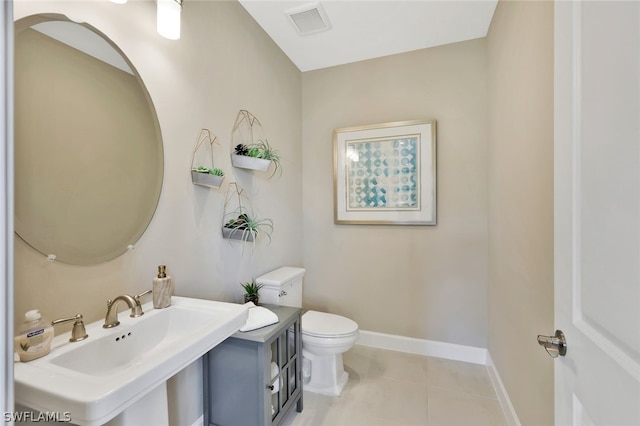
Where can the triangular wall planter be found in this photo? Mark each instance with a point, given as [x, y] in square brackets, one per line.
[237, 234]
[202, 159]
[246, 162]
[206, 179]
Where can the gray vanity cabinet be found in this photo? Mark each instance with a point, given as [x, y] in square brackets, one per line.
[255, 377]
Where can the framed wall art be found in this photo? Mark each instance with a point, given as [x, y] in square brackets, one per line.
[385, 174]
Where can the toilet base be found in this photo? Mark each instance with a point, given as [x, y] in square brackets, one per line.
[324, 374]
[330, 391]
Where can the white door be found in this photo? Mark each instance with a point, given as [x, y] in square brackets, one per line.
[597, 211]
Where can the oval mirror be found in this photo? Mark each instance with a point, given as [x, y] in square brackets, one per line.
[88, 148]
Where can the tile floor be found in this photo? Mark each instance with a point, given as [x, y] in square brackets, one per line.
[388, 388]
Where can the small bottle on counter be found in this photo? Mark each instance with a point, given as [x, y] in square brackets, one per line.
[162, 289]
[34, 339]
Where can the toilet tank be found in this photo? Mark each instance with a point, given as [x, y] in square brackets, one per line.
[282, 286]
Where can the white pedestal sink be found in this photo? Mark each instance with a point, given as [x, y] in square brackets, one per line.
[117, 374]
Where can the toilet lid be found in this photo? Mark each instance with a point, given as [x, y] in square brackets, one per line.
[323, 324]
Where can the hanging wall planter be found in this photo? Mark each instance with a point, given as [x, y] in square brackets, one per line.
[252, 163]
[230, 232]
[205, 175]
[251, 150]
[239, 222]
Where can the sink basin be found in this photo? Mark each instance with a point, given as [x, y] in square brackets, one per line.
[98, 378]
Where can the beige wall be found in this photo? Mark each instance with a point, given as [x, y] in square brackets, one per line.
[426, 282]
[520, 75]
[223, 63]
[494, 234]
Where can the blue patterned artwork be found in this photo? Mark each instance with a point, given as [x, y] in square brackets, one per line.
[383, 174]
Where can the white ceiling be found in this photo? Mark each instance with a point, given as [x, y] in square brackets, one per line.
[365, 29]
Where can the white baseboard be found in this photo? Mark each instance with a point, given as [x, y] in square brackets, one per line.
[451, 351]
[501, 392]
[199, 421]
[423, 347]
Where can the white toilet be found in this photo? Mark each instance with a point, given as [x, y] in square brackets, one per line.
[325, 337]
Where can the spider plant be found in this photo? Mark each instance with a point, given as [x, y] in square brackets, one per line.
[240, 223]
[246, 227]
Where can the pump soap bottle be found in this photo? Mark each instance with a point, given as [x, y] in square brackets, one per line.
[162, 289]
[34, 339]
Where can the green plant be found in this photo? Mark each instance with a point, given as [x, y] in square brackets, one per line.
[241, 149]
[251, 288]
[262, 149]
[251, 292]
[247, 224]
[240, 223]
[214, 171]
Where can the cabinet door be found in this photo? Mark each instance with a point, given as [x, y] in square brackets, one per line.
[285, 377]
[235, 373]
[292, 336]
[276, 376]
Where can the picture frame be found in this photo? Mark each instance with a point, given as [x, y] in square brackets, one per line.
[385, 174]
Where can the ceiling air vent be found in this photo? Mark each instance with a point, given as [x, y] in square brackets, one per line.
[309, 19]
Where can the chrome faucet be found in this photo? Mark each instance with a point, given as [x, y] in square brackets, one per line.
[111, 319]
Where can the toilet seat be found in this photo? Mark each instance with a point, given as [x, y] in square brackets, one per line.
[322, 324]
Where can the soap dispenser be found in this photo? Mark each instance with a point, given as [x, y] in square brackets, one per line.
[162, 289]
[34, 339]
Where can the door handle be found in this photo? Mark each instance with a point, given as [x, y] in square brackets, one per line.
[554, 345]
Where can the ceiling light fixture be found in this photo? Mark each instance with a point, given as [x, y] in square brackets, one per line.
[119, 1]
[309, 19]
[169, 18]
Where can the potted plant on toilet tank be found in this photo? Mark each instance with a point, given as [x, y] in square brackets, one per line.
[251, 292]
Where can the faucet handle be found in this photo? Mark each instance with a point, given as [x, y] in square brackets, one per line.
[144, 293]
[78, 332]
[137, 310]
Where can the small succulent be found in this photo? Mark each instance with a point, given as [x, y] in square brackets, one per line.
[251, 288]
[242, 222]
[251, 292]
[241, 149]
[261, 149]
[214, 171]
[255, 152]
